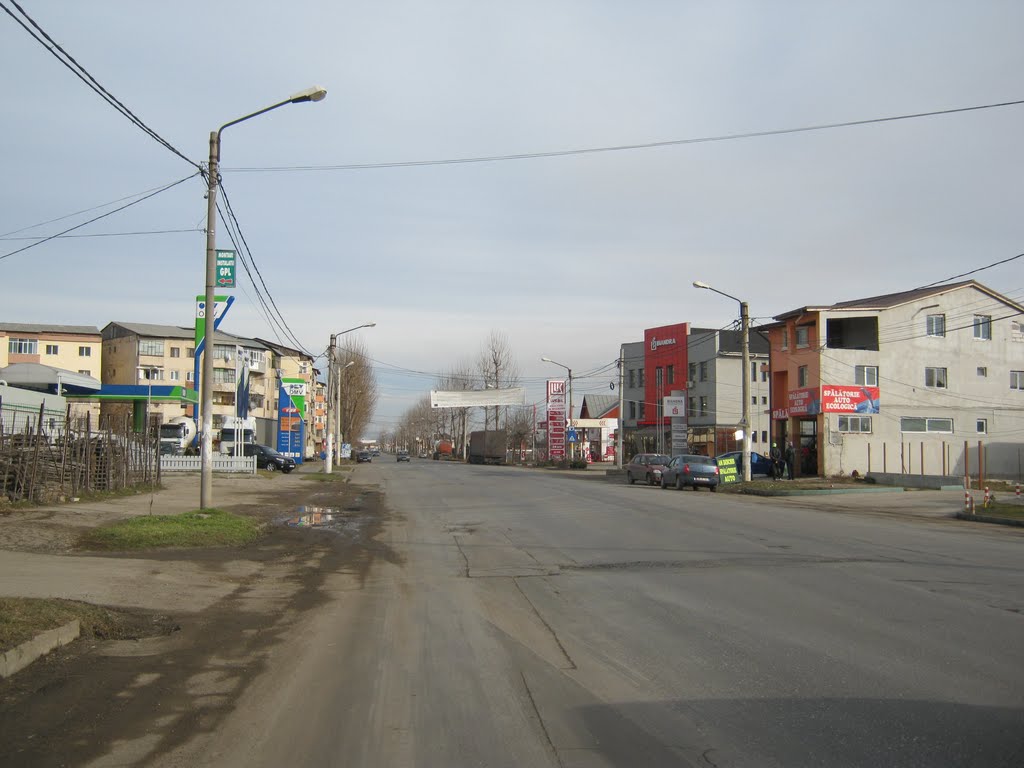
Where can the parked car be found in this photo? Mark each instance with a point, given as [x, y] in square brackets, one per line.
[759, 463]
[267, 458]
[363, 456]
[647, 467]
[402, 456]
[694, 471]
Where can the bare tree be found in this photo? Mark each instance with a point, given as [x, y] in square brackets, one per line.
[359, 390]
[498, 367]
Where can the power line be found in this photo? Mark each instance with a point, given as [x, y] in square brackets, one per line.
[112, 234]
[623, 147]
[101, 216]
[58, 52]
[973, 271]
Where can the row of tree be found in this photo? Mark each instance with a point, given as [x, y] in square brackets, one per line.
[422, 427]
[353, 382]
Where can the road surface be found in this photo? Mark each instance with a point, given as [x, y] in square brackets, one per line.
[523, 618]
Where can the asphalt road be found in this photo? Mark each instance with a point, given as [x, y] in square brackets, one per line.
[522, 618]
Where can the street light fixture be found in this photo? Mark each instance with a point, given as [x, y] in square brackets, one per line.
[745, 380]
[572, 446]
[334, 390]
[316, 93]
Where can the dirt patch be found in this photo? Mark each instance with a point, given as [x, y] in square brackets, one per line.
[153, 693]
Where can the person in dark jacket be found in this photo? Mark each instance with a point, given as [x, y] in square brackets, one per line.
[790, 457]
[776, 456]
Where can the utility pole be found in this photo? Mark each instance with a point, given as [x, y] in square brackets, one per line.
[745, 325]
[331, 384]
[622, 412]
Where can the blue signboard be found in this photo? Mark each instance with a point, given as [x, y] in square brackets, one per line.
[291, 418]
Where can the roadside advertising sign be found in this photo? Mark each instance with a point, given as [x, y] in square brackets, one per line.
[804, 402]
[291, 418]
[843, 399]
[225, 269]
[556, 419]
[728, 471]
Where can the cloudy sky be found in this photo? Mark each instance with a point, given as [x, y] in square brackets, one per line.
[567, 255]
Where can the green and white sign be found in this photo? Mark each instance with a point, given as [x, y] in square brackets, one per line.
[728, 471]
[225, 269]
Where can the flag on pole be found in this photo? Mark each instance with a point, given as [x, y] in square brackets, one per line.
[242, 363]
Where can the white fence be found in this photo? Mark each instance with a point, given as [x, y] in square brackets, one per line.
[221, 463]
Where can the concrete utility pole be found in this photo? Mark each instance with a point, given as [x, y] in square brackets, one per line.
[331, 383]
[745, 381]
[315, 93]
[335, 374]
[622, 412]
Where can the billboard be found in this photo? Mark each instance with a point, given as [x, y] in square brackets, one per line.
[475, 398]
[804, 402]
[556, 419]
[843, 399]
[291, 418]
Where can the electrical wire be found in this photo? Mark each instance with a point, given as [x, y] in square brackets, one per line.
[101, 216]
[110, 234]
[624, 147]
[82, 74]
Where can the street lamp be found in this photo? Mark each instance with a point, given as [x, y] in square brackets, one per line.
[572, 446]
[316, 93]
[745, 380]
[335, 391]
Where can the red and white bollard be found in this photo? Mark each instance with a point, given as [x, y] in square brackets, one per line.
[988, 497]
[972, 505]
[967, 500]
[1018, 492]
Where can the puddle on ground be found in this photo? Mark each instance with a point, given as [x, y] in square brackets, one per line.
[326, 518]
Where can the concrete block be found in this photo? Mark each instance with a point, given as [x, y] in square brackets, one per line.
[21, 656]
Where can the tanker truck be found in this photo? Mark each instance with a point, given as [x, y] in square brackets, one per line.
[176, 436]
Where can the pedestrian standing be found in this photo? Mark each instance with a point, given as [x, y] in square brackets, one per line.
[776, 456]
[790, 458]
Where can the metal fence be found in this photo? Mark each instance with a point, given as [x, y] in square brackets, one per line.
[221, 463]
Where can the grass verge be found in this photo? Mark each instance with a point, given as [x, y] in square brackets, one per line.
[203, 528]
[1011, 511]
[22, 618]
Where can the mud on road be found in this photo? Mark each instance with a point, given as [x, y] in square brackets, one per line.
[125, 702]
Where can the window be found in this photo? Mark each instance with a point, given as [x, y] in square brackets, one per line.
[223, 375]
[854, 423]
[223, 351]
[85, 351]
[693, 371]
[658, 377]
[703, 408]
[640, 377]
[632, 409]
[632, 378]
[704, 371]
[865, 375]
[151, 374]
[753, 436]
[691, 406]
[983, 327]
[764, 374]
[922, 424]
[753, 399]
[802, 337]
[981, 425]
[150, 347]
[764, 435]
[802, 376]
[257, 358]
[670, 372]
[1016, 379]
[175, 351]
[190, 352]
[642, 409]
[175, 375]
[935, 377]
[86, 372]
[785, 338]
[982, 371]
[52, 349]
[935, 325]
[764, 399]
[753, 370]
[23, 346]
[188, 375]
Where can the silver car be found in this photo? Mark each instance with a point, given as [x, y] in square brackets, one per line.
[689, 470]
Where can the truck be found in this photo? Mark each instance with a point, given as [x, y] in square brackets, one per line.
[176, 436]
[443, 449]
[236, 430]
[487, 447]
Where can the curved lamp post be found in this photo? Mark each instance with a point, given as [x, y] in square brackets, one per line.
[745, 380]
[572, 446]
[316, 93]
[330, 455]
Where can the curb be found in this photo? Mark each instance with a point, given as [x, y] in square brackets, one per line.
[988, 519]
[817, 491]
[21, 656]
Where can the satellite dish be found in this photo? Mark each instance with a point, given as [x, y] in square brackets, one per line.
[611, 385]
